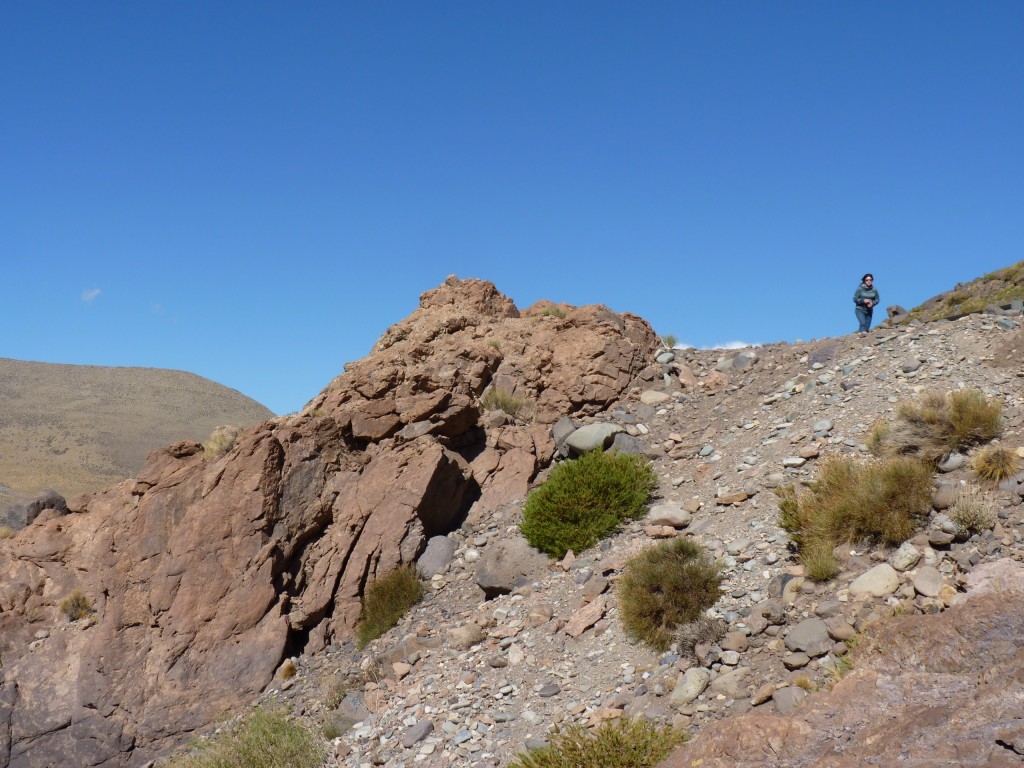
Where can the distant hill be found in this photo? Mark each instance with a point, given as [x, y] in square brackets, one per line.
[79, 428]
[1000, 287]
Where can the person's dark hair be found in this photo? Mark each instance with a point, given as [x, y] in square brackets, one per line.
[867, 276]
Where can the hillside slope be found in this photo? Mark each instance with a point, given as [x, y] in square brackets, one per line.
[79, 428]
[1001, 287]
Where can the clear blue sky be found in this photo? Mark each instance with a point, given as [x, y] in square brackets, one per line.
[255, 191]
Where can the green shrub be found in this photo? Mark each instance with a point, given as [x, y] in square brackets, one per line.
[624, 743]
[76, 606]
[500, 399]
[995, 463]
[553, 310]
[585, 500]
[386, 601]
[880, 501]
[267, 738]
[669, 340]
[934, 424]
[665, 587]
[972, 512]
[494, 344]
[6, 532]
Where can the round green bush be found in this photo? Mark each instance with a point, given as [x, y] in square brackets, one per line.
[585, 500]
[665, 587]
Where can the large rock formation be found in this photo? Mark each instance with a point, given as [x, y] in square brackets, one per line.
[204, 574]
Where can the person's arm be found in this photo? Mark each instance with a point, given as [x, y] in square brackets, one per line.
[857, 299]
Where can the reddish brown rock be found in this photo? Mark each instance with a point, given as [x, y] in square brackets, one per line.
[933, 689]
[206, 574]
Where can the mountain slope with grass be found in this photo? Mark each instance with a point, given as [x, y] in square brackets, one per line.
[78, 428]
[999, 288]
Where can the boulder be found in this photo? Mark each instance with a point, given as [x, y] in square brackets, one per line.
[810, 636]
[435, 558]
[689, 686]
[592, 437]
[880, 581]
[508, 564]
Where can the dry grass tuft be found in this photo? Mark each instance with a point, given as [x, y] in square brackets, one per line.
[880, 501]
[972, 512]
[287, 670]
[386, 601]
[703, 630]
[500, 399]
[221, 440]
[665, 587]
[6, 532]
[624, 743]
[995, 463]
[76, 606]
[933, 424]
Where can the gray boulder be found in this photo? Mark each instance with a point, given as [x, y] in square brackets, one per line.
[20, 515]
[810, 636]
[592, 437]
[435, 558]
[506, 565]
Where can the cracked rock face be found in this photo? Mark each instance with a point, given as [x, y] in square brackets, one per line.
[204, 574]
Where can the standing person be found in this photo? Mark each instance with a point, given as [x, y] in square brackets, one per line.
[865, 297]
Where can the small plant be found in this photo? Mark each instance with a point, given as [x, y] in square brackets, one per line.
[335, 691]
[501, 399]
[877, 436]
[972, 512]
[287, 670]
[553, 310]
[840, 667]
[934, 424]
[995, 463]
[331, 729]
[221, 440]
[669, 341]
[386, 601]
[267, 738]
[703, 629]
[665, 587]
[76, 606]
[494, 343]
[880, 501]
[806, 683]
[623, 743]
[6, 532]
[585, 500]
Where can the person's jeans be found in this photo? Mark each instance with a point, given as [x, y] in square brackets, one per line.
[864, 318]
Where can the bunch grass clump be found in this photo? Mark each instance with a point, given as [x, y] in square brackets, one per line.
[669, 340]
[702, 630]
[933, 424]
[882, 502]
[585, 500]
[501, 399]
[972, 512]
[267, 738]
[553, 310]
[76, 606]
[219, 443]
[622, 743]
[386, 601]
[995, 463]
[665, 587]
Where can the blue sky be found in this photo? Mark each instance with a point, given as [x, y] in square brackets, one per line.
[255, 191]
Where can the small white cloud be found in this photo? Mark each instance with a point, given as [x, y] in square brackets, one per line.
[156, 309]
[733, 345]
[89, 295]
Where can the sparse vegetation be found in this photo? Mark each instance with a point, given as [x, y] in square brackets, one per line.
[995, 463]
[501, 399]
[6, 532]
[840, 667]
[665, 587]
[553, 310]
[972, 512]
[267, 738]
[669, 341]
[386, 601]
[494, 343]
[331, 729]
[806, 683]
[287, 670]
[933, 424]
[585, 500]
[220, 442]
[880, 501]
[76, 606]
[624, 743]
[702, 630]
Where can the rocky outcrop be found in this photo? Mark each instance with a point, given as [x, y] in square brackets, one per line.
[926, 690]
[204, 574]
